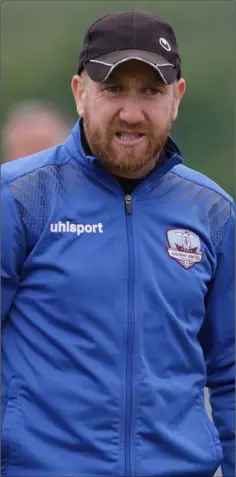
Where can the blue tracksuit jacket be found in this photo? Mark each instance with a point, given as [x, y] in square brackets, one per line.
[117, 311]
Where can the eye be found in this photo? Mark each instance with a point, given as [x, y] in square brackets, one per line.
[113, 89]
[153, 91]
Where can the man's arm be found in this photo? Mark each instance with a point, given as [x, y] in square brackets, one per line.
[13, 249]
[218, 341]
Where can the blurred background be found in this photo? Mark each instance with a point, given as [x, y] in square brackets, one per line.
[40, 45]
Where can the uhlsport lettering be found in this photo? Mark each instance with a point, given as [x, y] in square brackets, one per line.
[79, 229]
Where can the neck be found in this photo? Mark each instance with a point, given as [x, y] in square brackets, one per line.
[139, 174]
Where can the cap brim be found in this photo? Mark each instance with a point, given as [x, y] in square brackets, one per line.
[99, 69]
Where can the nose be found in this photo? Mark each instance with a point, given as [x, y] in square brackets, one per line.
[131, 111]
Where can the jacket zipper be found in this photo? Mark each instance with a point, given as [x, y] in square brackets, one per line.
[130, 338]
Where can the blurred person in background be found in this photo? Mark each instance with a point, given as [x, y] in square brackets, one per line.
[30, 127]
[118, 280]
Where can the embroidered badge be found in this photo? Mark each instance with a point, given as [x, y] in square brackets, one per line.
[184, 246]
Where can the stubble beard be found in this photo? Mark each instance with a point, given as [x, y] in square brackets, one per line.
[120, 160]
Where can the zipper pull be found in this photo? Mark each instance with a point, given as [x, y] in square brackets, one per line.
[128, 204]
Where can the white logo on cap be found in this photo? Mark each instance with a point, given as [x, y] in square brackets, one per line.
[164, 43]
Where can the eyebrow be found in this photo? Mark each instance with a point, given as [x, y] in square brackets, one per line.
[154, 81]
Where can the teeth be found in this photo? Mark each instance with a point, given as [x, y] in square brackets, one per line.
[126, 137]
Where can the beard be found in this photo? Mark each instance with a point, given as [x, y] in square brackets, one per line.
[123, 160]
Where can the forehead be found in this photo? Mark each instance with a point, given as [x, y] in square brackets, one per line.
[135, 69]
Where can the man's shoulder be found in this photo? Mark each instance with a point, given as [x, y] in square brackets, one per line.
[13, 170]
[201, 180]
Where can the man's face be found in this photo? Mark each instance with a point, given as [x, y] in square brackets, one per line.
[127, 119]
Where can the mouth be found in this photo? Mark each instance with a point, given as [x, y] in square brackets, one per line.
[129, 138]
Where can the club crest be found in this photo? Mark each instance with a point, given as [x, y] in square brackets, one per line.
[184, 246]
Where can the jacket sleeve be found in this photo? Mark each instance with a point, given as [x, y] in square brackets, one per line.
[13, 249]
[218, 341]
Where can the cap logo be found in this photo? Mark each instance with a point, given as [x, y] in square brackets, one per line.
[164, 43]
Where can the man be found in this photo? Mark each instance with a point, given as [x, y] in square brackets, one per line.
[31, 127]
[117, 280]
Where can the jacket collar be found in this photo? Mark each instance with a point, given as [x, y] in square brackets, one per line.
[73, 145]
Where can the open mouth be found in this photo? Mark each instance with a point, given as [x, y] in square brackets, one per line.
[129, 138]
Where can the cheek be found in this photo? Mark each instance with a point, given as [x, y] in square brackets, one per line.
[160, 115]
[100, 114]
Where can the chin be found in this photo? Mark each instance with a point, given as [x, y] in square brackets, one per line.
[130, 167]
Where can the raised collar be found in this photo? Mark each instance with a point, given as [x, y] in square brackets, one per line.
[74, 146]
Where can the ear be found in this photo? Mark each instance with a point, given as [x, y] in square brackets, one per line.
[180, 88]
[78, 89]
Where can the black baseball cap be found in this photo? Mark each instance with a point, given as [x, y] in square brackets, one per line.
[130, 34]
